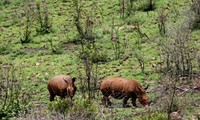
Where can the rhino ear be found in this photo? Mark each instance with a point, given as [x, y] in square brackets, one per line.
[65, 80]
[73, 79]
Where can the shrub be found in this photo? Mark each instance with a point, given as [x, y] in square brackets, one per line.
[60, 106]
[94, 56]
[84, 105]
[100, 57]
[86, 32]
[4, 49]
[45, 26]
[55, 49]
[196, 9]
[82, 108]
[147, 5]
[155, 116]
[25, 34]
[13, 100]
[179, 50]
[162, 19]
[5, 2]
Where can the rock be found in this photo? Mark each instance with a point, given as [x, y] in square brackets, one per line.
[175, 116]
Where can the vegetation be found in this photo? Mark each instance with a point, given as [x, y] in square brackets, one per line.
[153, 41]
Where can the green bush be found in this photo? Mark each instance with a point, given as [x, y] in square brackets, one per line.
[60, 105]
[13, 100]
[55, 49]
[99, 57]
[155, 116]
[85, 108]
[3, 49]
[147, 5]
[5, 2]
[93, 55]
[45, 25]
[81, 107]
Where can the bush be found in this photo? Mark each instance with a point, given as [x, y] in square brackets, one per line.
[25, 33]
[196, 18]
[45, 25]
[55, 49]
[100, 57]
[147, 5]
[60, 106]
[12, 99]
[4, 49]
[179, 50]
[155, 116]
[5, 2]
[83, 108]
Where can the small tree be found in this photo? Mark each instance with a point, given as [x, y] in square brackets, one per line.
[12, 99]
[88, 52]
[6, 2]
[43, 18]
[162, 18]
[171, 102]
[196, 17]
[25, 34]
[139, 55]
[116, 41]
[167, 99]
[178, 51]
[126, 7]
[55, 49]
[122, 8]
[150, 5]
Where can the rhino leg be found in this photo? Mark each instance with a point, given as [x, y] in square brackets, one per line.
[106, 101]
[63, 94]
[62, 97]
[133, 99]
[51, 97]
[125, 101]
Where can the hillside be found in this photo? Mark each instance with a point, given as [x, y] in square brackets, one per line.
[156, 45]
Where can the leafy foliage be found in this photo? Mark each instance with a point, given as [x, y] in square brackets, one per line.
[43, 18]
[13, 99]
[81, 107]
[60, 106]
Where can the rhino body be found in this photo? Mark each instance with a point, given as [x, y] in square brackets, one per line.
[121, 88]
[62, 86]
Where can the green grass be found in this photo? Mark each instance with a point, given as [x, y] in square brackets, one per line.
[39, 64]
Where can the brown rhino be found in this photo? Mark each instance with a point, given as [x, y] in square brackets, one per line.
[62, 86]
[120, 88]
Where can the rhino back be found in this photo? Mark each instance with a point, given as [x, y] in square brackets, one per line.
[118, 87]
[57, 83]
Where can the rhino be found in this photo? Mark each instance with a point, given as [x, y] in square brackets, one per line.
[121, 88]
[63, 86]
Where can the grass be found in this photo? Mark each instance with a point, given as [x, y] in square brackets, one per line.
[39, 64]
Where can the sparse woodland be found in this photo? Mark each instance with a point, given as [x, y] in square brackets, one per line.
[156, 42]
